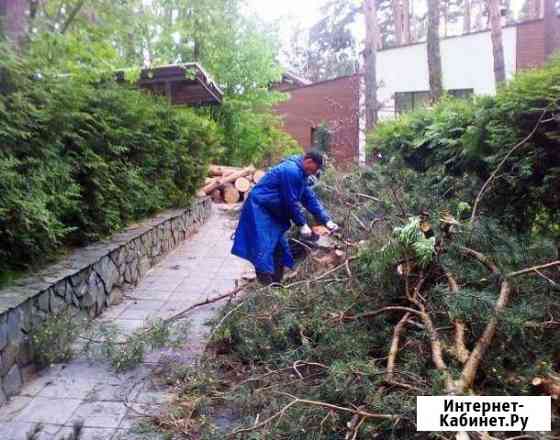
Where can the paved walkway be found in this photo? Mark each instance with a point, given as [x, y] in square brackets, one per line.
[107, 402]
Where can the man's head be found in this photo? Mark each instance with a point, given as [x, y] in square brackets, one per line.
[312, 163]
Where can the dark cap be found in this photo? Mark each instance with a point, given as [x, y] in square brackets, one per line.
[316, 157]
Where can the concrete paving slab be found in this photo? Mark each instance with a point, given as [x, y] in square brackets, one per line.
[11, 411]
[100, 414]
[88, 433]
[47, 410]
[141, 310]
[196, 285]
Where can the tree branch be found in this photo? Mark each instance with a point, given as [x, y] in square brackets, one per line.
[460, 347]
[533, 269]
[471, 367]
[72, 16]
[501, 164]
[394, 351]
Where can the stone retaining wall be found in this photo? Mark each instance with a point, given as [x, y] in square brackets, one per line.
[91, 279]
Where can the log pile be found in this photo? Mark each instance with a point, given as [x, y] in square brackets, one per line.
[230, 184]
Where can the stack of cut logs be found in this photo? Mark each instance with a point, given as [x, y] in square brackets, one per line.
[230, 184]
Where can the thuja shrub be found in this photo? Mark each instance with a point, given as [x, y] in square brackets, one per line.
[79, 159]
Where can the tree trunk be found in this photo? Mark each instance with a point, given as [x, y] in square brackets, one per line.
[445, 15]
[479, 14]
[406, 21]
[434, 56]
[13, 21]
[370, 53]
[72, 16]
[467, 17]
[497, 44]
[398, 21]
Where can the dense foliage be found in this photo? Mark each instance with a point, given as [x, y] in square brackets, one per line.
[80, 159]
[461, 142]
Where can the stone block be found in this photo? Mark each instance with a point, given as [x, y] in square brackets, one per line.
[60, 288]
[25, 353]
[13, 382]
[8, 358]
[143, 266]
[57, 304]
[15, 318]
[107, 271]
[3, 397]
[38, 317]
[115, 297]
[27, 316]
[3, 331]
[79, 282]
[88, 300]
[43, 302]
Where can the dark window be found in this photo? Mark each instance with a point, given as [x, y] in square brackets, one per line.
[461, 93]
[321, 138]
[409, 101]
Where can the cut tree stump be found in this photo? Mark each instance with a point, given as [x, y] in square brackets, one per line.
[231, 194]
[243, 185]
[258, 175]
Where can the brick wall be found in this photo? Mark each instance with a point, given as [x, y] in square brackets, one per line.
[530, 44]
[536, 41]
[551, 28]
[335, 102]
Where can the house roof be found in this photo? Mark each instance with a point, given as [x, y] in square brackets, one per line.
[184, 84]
[297, 80]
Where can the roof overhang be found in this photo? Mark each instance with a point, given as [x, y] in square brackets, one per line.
[183, 84]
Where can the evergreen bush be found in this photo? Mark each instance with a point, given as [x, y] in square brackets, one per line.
[81, 158]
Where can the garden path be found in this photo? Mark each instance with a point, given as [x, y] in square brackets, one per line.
[109, 403]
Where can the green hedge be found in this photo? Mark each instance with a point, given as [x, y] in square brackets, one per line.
[79, 160]
[461, 142]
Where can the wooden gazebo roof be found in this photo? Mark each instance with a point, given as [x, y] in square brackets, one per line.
[184, 84]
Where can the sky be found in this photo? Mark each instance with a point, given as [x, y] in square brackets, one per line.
[305, 11]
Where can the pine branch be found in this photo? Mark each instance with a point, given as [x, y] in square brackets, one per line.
[533, 269]
[501, 164]
[460, 347]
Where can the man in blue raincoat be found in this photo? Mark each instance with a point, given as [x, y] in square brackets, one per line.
[272, 205]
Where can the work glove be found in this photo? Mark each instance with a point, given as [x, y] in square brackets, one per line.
[332, 226]
[306, 231]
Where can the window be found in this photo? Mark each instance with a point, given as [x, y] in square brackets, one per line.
[321, 138]
[409, 101]
[461, 93]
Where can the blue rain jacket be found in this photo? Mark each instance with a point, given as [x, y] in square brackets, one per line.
[272, 205]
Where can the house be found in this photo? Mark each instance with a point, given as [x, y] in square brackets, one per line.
[402, 74]
[183, 84]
